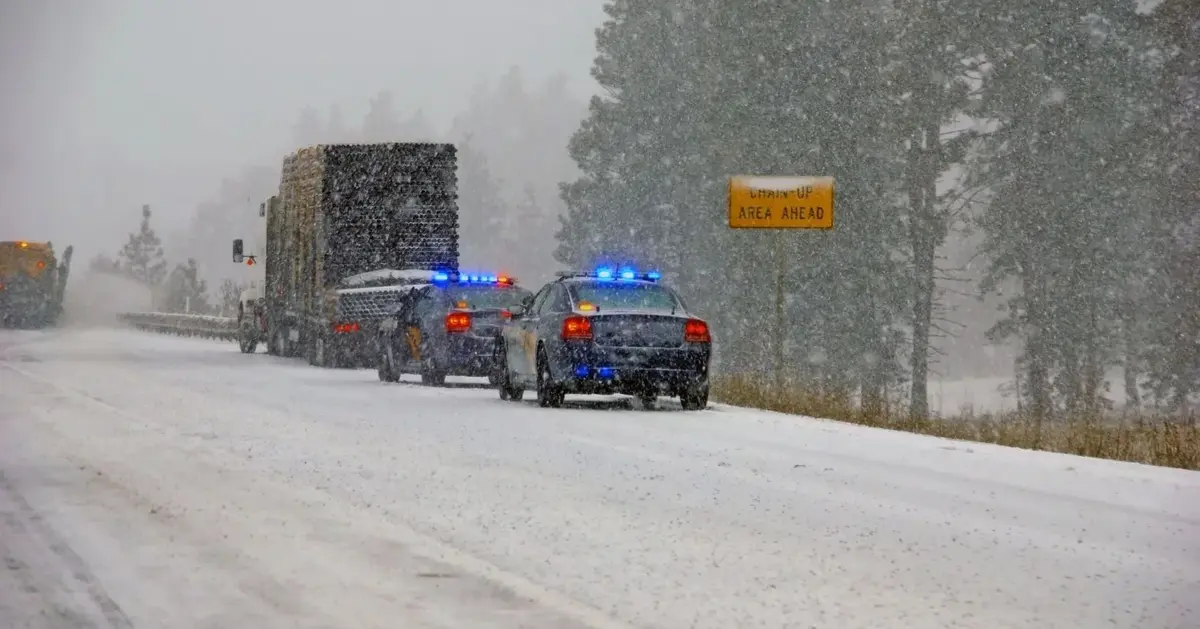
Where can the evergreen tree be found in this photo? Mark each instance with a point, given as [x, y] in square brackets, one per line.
[417, 128]
[184, 291]
[1068, 88]
[927, 80]
[337, 132]
[1173, 291]
[309, 129]
[382, 123]
[229, 296]
[142, 256]
[697, 91]
[483, 214]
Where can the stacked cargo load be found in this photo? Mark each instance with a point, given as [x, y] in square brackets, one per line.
[348, 209]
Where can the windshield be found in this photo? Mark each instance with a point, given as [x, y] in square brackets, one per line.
[626, 296]
[483, 297]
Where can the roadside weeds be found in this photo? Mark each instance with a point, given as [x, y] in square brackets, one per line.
[1134, 436]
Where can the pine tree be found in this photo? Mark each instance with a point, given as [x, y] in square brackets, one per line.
[230, 295]
[483, 214]
[382, 123]
[337, 132]
[185, 291]
[697, 91]
[926, 78]
[309, 129]
[142, 258]
[1173, 291]
[1068, 89]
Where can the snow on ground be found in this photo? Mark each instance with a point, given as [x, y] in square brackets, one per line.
[197, 487]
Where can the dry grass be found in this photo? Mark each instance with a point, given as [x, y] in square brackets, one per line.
[1143, 438]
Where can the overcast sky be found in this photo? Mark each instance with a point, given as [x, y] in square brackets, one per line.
[110, 100]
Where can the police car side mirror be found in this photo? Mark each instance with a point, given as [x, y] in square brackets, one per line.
[518, 311]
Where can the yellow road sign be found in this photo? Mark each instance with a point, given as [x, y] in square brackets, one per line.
[781, 202]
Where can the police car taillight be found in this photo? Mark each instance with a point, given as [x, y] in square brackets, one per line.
[346, 328]
[458, 322]
[577, 329]
[696, 331]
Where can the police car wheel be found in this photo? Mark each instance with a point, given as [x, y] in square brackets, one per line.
[431, 375]
[694, 398]
[508, 392]
[548, 395]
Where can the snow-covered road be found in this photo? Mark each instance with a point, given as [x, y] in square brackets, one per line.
[155, 482]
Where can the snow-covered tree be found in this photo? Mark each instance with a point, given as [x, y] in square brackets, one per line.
[142, 256]
[185, 291]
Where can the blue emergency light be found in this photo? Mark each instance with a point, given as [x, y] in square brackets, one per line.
[627, 274]
[464, 278]
[608, 274]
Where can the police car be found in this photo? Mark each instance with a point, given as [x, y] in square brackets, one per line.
[605, 332]
[448, 328]
[356, 308]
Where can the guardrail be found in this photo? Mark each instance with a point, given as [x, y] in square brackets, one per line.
[202, 326]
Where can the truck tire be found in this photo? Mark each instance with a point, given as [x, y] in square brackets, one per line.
[247, 345]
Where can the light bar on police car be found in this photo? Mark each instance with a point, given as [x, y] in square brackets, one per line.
[472, 278]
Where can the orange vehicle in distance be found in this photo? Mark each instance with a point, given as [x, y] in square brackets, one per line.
[32, 283]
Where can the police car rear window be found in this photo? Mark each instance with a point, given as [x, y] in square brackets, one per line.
[486, 296]
[617, 295]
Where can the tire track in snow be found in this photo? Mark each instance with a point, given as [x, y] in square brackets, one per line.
[383, 535]
[48, 569]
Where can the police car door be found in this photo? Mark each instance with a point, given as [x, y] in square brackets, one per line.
[529, 332]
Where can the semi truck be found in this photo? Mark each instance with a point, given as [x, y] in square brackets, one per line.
[345, 215]
[32, 283]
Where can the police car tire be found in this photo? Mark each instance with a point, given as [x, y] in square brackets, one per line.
[508, 392]
[694, 398]
[431, 375]
[548, 395]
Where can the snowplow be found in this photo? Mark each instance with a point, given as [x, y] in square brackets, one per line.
[32, 283]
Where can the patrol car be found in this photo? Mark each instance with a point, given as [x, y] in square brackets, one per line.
[354, 310]
[605, 332]
[448, 328]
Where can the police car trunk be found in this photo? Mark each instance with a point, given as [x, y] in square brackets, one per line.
[360, 304]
